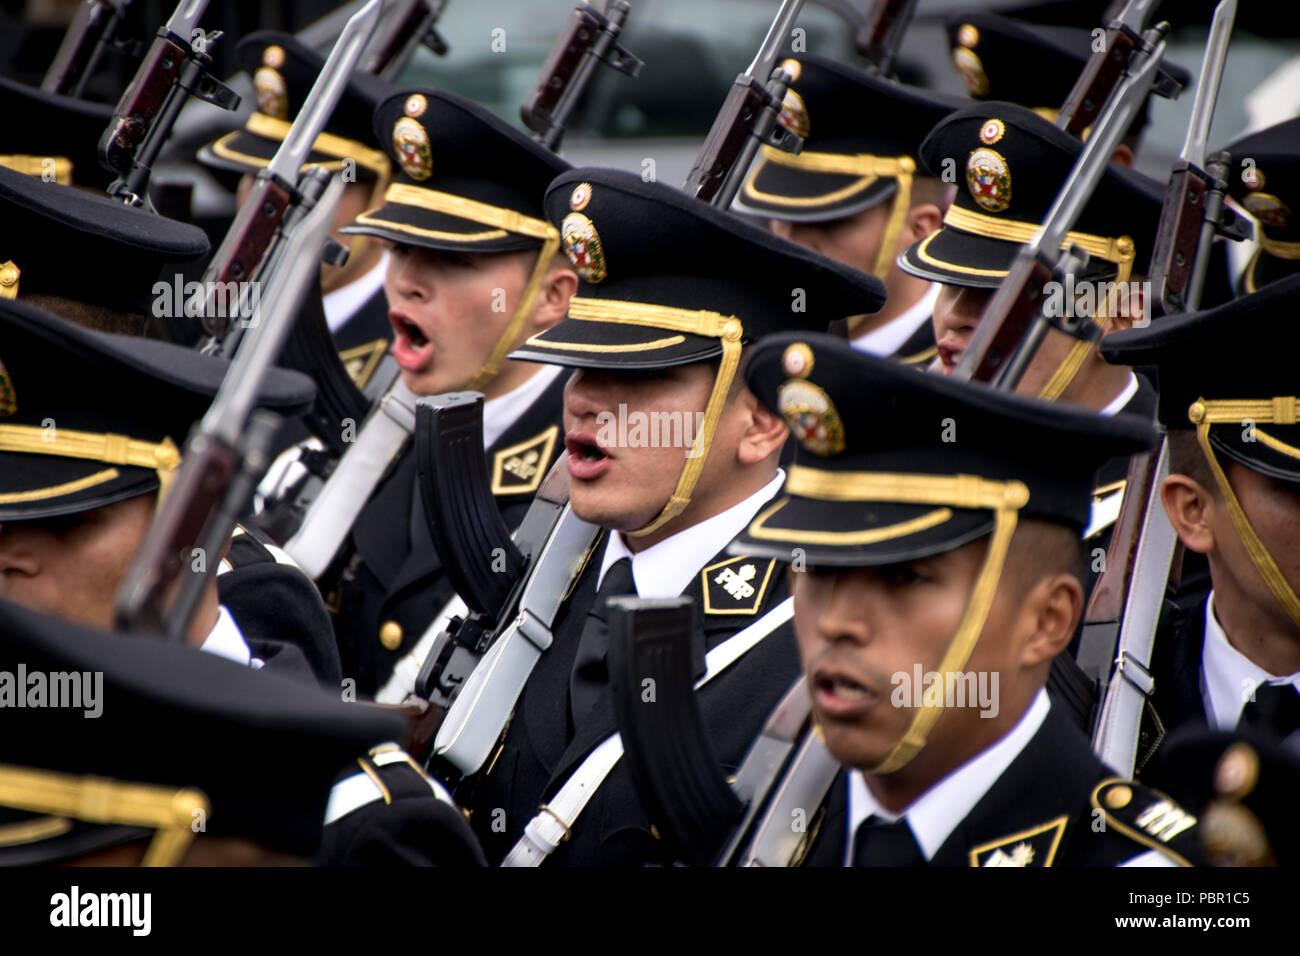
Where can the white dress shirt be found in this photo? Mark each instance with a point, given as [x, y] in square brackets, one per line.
[503, 411]
[343, 303]
[1229, 677]
[665, 569]
[1116, 404]
[889, 338]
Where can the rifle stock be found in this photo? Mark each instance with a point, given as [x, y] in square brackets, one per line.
[407, 25]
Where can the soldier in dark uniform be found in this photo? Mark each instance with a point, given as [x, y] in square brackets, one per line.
[940, 532]
[1229, 658]
[473, 271]
[673, 292]
[283, 71]
[1266, 167]
[856, 192]
[187, 760]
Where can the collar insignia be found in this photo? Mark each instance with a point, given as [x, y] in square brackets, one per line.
[1036, 846]
[362, 360]
[736, 586]
[519, 469]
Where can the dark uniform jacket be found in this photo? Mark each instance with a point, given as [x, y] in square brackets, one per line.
[1050, 794]
[279, 611]
[541, 750]
[919, 349]
[392, 584]
[364, 338]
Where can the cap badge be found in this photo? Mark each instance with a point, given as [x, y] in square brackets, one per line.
[968, 35]
[411, 144]
[971, 69]
[273, 56]
[272, 94]
[8, 397]
[580, 196]
[1268, 209]
[794, 114]
[797, 360]
[415, 105]
[812, 417]
[793, 67]
[1252, 177]
[989, 179]
[992, 131]
[582, 246]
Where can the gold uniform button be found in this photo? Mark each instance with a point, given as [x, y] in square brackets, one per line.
[390, 635]
[1117, 798]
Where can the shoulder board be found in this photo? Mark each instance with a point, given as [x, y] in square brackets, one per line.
[736, 585]
[519, 469]
[1149, 818]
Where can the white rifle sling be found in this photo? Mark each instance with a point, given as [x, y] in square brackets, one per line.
[331, 515]
[402, 682]
[802, 789]
[551, 827]
[1115, 739]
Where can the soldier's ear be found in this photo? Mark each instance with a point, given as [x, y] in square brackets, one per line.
[923, 220]
[765, 432]
[553, 295]
[1189, 505]
[1054, 606]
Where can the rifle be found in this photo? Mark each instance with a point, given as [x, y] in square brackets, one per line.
[407, 25]
[174, 69]
[748, 119]
[251, 247]
[227, 451]
[1123, 613]
[589, 39]
[880, 34]
[92, 31]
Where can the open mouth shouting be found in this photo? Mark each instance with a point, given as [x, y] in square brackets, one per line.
[950, 349]
[411, 347]
[837, 695]
[587, 459]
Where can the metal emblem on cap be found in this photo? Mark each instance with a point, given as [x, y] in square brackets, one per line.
[797, 360]
[580, 196]
[415, 105]
[1268, 209]
[989, 179]
[273, 56]
[992, 131]
[811, 416]
[582, 245]
[1237, 772]
[968, 35]
[971, 69]
[794, 114]
[8, 397]
[1252, 177]
[411, 144]
[793, 67]
[272, 94]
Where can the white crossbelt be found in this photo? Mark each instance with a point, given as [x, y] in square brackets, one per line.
[332, 514]
[552, 825]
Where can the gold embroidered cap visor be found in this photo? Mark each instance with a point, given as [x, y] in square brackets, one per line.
[42, 126]
[177, 730]
[88, 419]
[808, 187]
[927, 464]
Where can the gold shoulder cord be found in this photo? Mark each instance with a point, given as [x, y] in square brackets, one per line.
[1278, 411]
[726, 328]
[1003, 498]
[169, 812]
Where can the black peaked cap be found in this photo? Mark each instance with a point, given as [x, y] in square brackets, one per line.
[284, 70]
[647, 243]
[1266, 181]
[72, 243]
[60, 378]
[854, 413]
[263, 750]
[1010, 165]
[1233, 352]
[844, 112]
[443, 145]
[39, 124]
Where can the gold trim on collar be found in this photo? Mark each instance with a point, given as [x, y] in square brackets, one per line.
[30, 165]
[259, 124]
[901, 529]
[452, 205]
[360, 361]
[528, 472]
[169, 811]
[57, 491]
[1057, 824]
[956, 491]
[1117, 250]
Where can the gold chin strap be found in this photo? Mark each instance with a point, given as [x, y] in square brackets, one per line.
[1004, 498]
[726, 328]
[509, 220]
[1119, 250]
[1278, 411]
[162, 457]
[169, 812]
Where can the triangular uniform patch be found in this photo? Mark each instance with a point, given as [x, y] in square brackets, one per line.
[1033, 847]
[519, 469]
[362, 360]
[737, 585]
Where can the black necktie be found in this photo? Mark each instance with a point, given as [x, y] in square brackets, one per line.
[879, 843]
[589, 674]
[1275, 710]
